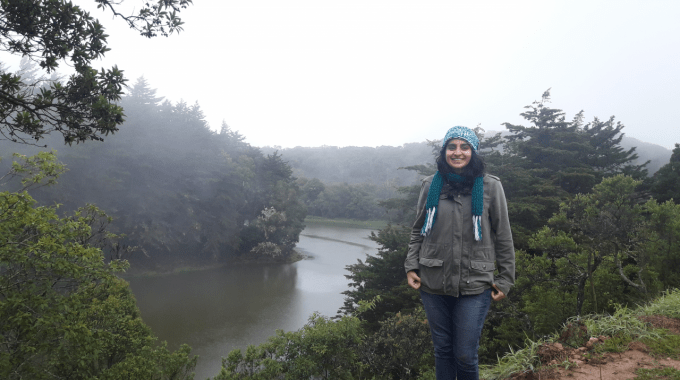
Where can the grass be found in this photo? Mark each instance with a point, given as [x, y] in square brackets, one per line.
[513, 362]
[668, 304]
[667, 373]
[624, 322]
[623, 327]
[347, 223]
[667, 346]
[616, 344]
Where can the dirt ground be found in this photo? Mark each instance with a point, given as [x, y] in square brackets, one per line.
[609, 366]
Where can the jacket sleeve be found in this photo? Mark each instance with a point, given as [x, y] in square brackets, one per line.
[505, 250]
[416, 240]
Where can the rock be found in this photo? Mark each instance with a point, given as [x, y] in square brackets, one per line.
[591, 343]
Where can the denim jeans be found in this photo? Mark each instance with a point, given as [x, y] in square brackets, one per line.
[456, 326]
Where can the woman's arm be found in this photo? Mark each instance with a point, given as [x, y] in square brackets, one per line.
[411, 263]
[505, 250]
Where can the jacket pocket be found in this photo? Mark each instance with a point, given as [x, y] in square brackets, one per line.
[432, 273]
[483, 255]
[481, 272]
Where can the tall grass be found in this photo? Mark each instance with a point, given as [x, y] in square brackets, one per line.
[668, 304]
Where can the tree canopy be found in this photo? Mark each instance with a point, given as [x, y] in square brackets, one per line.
[63, 311]
[665, 181]
[52, 32]
[180, 192]
[552, 159]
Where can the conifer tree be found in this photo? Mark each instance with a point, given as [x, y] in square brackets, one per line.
[142, 93]
[553, 159]
[665, 181]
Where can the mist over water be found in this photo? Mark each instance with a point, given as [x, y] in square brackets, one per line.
[218, 310]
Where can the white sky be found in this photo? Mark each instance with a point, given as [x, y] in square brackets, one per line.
[369, 73]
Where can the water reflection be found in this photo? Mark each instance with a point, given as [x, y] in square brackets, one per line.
[215, 311]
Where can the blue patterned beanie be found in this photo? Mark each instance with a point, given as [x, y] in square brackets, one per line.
[432, 204]
[464, 133]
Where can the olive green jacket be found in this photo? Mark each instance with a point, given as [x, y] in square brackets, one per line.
[449, 260]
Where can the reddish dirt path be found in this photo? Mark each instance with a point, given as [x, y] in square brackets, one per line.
[616, 366]
[610, 366]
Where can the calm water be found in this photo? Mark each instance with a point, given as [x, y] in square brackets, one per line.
[218, 310]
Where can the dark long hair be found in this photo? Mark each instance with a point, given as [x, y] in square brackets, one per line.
[475, 168]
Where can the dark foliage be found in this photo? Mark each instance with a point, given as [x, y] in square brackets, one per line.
[183, 194]
[382, 275]
[48, 32]
[666, 181]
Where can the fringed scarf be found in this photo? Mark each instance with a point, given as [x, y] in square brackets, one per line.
[433, 202]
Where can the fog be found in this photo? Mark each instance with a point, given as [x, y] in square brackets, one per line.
[352, 73]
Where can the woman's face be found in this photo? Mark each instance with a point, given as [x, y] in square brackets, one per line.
[458, 154]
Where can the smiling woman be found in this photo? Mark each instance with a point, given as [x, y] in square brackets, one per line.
[451, 260]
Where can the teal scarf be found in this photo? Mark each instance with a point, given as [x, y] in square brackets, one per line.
[433, 202]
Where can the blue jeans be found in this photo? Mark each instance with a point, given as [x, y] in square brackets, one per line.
[456, 326]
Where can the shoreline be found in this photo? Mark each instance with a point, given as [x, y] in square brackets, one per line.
[346, 223]
[131, 273]
[293, 258]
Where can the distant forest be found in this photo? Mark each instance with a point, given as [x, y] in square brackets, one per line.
[179, 193]
[381, 165]
[356, 182]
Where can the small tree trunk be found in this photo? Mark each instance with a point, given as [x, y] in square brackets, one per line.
[641, 287]
[580, 295]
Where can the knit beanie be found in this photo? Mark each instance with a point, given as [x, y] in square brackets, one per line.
[463, 133]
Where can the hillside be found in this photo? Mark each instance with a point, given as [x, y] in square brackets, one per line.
[657, 155]
[355, 165]
[642, 344]
[381, 165]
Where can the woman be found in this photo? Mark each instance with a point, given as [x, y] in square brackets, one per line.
[461, 230]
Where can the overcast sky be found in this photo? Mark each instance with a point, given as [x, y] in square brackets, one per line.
[369, 73]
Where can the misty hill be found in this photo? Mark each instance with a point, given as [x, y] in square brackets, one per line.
[355, 165]
[656, 154]
[182, 193]
[380, 165]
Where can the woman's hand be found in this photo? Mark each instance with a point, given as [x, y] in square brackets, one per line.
[496, 294]
[413, 280]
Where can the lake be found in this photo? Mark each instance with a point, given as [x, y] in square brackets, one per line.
[218, 310]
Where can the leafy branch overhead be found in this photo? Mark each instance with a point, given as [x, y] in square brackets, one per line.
[50, 32]
[152, 19]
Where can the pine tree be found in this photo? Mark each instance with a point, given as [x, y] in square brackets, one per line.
[142, 93]
[665, 181]
[553, 159]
